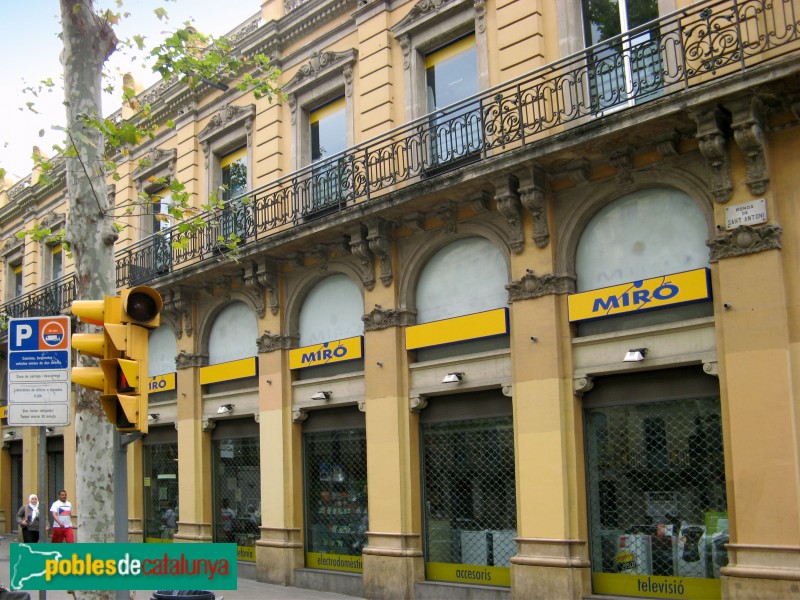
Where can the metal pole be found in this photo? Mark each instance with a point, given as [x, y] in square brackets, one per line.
[120, 497]
[44, 513]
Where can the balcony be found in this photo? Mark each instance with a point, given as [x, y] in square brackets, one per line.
[691, 52]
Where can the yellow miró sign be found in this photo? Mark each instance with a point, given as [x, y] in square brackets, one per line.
[458, 329]
[645, 294]
[235, 369]
[161, 383]
[327, 353]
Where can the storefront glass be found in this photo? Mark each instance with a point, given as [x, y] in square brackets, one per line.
[470, 500]
[237, 494]
[657, 499]
[160, 470]
[335, 498]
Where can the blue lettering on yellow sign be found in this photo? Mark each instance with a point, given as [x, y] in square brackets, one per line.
[324, 354]
[637, 298]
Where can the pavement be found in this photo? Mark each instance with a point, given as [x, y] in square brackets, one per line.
[248, 589]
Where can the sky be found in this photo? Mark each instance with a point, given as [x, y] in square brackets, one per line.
[30, 48]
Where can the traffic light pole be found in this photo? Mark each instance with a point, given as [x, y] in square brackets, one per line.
[44, 515]
[121, 492]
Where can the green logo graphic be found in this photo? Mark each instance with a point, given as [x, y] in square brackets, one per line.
[122, 566]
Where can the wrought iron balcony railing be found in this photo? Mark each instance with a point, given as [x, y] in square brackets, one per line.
[50, 299]
[702, 43]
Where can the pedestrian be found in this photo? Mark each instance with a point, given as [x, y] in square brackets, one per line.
[6, 594]
[28, 520]
[62, 520]
[228, 515]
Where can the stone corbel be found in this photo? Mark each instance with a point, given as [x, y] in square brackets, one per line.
[533, 198]
[748, 131]
[291, 100]
[417, 403]
[508, 391]
[264, 281]
[299, 415]
[380, 243]
[178, 306]
[378, 318]
[667, 145]
[359, 247]
[532, 285]
[578, 171]
[405, 48]
[581, 385]
[622, 161]
[712, 127]
[184, 360]
[480, 15]
[209, 424]
[298, 259]
[270, 343]
[508, 204]
[447, 214]
[415, 222]
[362, 406]
[743, 240]
[480, 204]
[711, 367]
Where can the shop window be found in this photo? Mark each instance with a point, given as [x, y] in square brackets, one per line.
[328, 136]
[336, 498]
[469, 492]
[233, 334]
[331, 311]
[630, 66]
[237, 486]
[648, 233]
[451, 75]
[656, 481]
[160, 472]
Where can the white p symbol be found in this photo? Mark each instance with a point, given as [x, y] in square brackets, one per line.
[23, 333]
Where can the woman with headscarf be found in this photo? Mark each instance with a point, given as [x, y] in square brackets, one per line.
[28, 519]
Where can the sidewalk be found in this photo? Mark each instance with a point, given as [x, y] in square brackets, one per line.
[248, 589]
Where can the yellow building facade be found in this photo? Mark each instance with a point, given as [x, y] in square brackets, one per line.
[503, 302]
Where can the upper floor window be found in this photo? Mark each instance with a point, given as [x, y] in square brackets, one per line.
[233, 168]
[328, 130]
[451, 73]
[56, 262]
[17, 280]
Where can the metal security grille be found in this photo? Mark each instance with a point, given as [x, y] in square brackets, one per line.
[469, 492]
[237, 493]
[657, 496]
[55, 477]
[160, 471]
[16, 479]
[336, 494]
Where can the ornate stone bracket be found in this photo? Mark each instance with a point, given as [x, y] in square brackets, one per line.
[622, 160]
[480, 203]
[447, 213]
[299, 415]
[380, 242]
[508, 204]
[362, 406]
[415, 222]
[532, 285]
[578, 171]
[264, 280]
[711, 367]
[748, 131]
[209, 424]
[157, 163]
[745, 239]
[667, 145]
[270, 343]
[712, 127]
[379, 318]
[581, 385]
[52, 218]
[359, 247]
[417, 403]
[184, 360]
[178, 306]
[508, 391]
[532, 196]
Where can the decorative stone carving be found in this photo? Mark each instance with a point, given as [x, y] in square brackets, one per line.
[405, 47]
[184, 360]
[508, 204]
[228, 116]
[270, 343]
[667, 146]
[533, 198]
[415, 222]
[12, 243]
[622, 160]
[264, 280]
[417, 403]
[156, 163]
[748, 131]
[359, 247]
[209, 424]
[531, 285]
[745, 239]
[447, 214]
[52, 218]
[380, 242]
[712, 127]
[362, 406]
[711, 367]
[178, 306]
[378, 318]
[323, 63]
[299, 415]
[581, 385]
[480, 15]
[508, 391]
[480, 204]
[578, 171]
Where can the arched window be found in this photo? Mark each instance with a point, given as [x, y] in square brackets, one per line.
[161, 351]
[331, 311]
[645, 234]
[464, 277]
[233, 334]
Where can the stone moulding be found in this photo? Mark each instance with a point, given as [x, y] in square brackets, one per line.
[184, 360]
[270, 343]
[379, 318]
[532, 285]
[743, 240]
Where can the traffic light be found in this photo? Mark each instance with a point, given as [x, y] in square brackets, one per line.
[122, 346]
